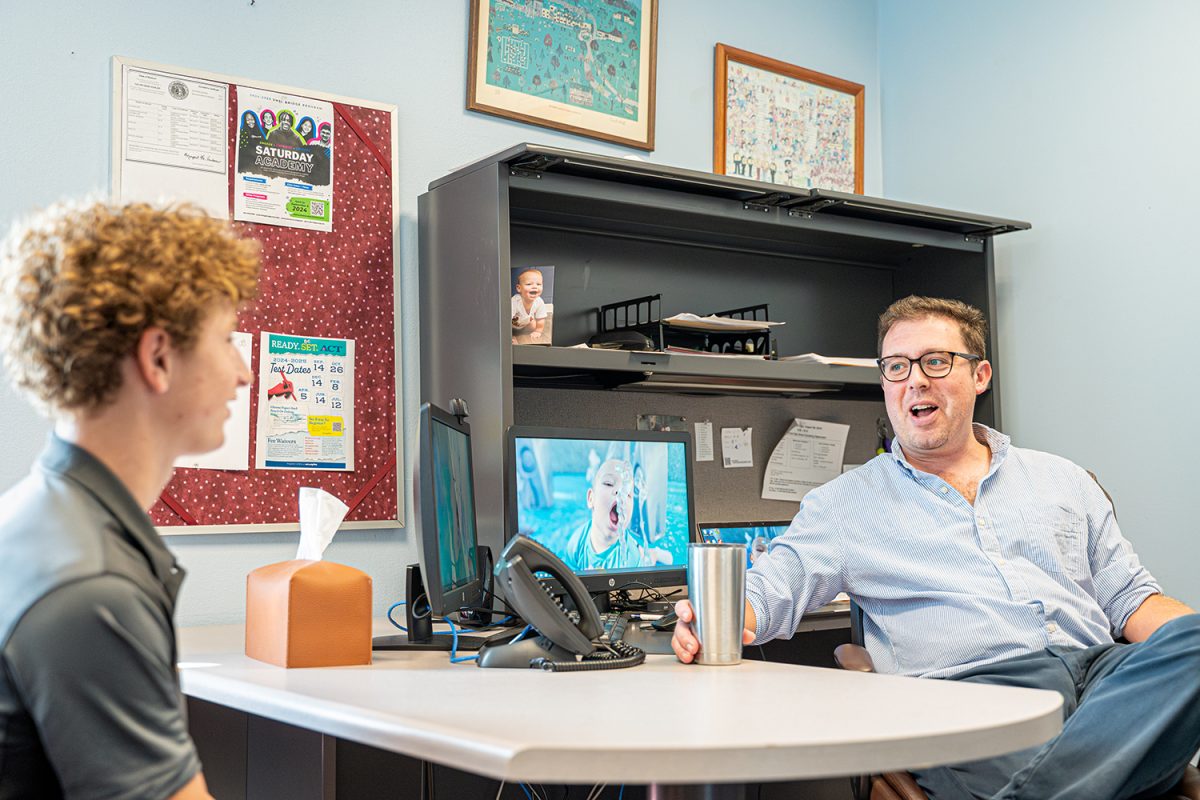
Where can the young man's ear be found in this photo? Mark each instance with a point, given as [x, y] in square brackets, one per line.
[153, 359]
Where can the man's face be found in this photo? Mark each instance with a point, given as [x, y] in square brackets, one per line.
[611, 499]
[285, 121]
[928, 414]
[325, 136]
[529, 284]
[207, 380]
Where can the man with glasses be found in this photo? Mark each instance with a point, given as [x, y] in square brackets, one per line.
[976, 560]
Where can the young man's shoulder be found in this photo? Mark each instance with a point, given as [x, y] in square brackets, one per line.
[92, 609]
[53, 532]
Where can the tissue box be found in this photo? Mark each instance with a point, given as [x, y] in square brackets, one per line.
[308, 614]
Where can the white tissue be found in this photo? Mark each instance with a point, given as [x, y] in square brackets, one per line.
[320, 515]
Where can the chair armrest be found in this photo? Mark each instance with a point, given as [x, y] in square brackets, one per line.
[897, 785]
[853, 657]
[1188, 787]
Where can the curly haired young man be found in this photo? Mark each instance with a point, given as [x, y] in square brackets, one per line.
[116, 322]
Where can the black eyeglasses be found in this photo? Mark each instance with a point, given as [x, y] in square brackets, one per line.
[936, 364]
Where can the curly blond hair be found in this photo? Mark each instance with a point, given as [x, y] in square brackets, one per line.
[971, 322]
[80, 282]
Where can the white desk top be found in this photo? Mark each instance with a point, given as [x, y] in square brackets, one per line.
[662, 722]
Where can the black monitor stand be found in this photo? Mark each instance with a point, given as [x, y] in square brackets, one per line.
[417, 614]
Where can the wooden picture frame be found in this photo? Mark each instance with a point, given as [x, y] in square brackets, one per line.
[530, 68]
[750, 141]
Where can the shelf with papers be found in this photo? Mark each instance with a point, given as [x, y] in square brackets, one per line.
[575, 367]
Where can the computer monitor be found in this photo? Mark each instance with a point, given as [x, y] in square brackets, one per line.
[446, 504]
[754, 536]
[448, 577]
[615, 505]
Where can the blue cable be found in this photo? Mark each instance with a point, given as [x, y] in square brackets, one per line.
[393, 607]
[525, 789]
[521, 635]
[622, 792]
[455, 658]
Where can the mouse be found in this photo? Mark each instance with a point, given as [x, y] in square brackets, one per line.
[666, 622]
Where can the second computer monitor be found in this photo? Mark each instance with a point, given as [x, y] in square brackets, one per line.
[447, 507]
[615, 506]
[754, 536]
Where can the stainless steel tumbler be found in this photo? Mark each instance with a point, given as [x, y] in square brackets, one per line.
[717, 589]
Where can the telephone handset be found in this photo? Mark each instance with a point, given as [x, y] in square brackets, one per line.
[560, 638]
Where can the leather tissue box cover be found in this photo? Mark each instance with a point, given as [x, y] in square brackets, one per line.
[308, 614]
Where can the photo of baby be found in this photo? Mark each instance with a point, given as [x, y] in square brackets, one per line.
[532, 305]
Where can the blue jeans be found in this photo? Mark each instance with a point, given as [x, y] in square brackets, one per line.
[1131, 722]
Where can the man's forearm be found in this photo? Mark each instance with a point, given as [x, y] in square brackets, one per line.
[1155, 611]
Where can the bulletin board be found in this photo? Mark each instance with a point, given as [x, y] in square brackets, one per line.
[337, 284]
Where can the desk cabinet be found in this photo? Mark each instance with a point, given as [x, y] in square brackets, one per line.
[827, 264]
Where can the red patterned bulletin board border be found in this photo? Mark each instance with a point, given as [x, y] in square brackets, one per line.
[337, 284]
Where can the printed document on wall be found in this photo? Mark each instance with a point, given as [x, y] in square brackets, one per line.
[174, 134]
[809, 454]
[284, 160]
[305, 403]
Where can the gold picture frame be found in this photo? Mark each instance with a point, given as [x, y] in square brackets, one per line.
[780, 123]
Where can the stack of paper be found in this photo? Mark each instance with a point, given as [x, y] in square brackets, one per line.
[711, 323]
[694, 352]
[836, 361]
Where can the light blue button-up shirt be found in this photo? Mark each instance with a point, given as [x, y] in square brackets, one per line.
[945, 586]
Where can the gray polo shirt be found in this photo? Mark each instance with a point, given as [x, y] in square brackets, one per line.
[90, 705]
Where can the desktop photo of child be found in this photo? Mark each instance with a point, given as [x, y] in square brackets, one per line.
[756, 539]
[532, 305]
[604, 505]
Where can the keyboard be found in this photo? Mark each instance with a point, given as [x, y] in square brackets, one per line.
[618, 627]
[614, 626]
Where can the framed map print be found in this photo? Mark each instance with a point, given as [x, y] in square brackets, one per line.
[582, 66]
[779, 123]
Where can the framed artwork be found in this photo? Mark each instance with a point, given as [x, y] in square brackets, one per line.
[779, 123]
[585, 67]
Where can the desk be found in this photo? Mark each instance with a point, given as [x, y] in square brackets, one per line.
[659, 723]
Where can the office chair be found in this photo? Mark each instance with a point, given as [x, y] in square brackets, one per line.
[902, 785]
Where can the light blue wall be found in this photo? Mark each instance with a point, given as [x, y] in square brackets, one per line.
[1080, 117]
[54, 73]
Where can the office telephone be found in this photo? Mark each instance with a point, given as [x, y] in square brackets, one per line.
[567, 640]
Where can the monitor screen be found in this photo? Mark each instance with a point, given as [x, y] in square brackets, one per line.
[615, 506]
[754, 536]
[448, 535]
